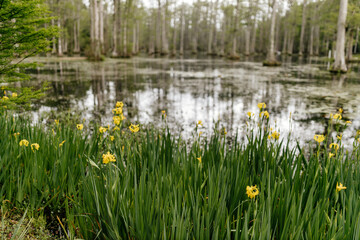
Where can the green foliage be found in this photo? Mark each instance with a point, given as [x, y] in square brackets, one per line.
[158, 189]
[22, 34]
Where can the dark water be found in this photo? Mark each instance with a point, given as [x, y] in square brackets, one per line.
[202, 89]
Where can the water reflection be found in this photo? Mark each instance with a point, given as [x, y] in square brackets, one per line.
[205, 89]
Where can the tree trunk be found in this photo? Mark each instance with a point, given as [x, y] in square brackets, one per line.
[151, 33]
[271, 53]
[134, 40]
[65, 48]
[233, 51]
[53, 40]
[138, 36]
[182, 32]
[247, 40]
[290, 43]
[303, 26]
[101, 25]
[210, 31]
[125, 52]
[277, 33]
[194, 36]
[356, 40]
[253, 37]
[311, 42]
[317, 40]
[285, 40]
[165, 44]
[174, 32]
[215, 38]
[60, 51]
[158, 29]
[350, 45]
[339, 64]
[222, 41]
[115, 30]
[95, 34]
[76, 27]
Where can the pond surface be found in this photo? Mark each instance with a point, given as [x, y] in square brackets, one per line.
[207, 89]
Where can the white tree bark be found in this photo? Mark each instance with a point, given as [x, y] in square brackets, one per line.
[164, 40]
[303, 26]
[234, 47]
[271, 52]
[115, 29]
[181, 52]
[339, 64]
[60, 51]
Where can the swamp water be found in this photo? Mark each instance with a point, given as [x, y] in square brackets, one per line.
[208, 89]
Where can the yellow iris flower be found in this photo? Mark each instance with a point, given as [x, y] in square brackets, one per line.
[261, 105]
[319, 138]
[117, 120]
[119, 104]
[24, 142]
[335, 145]
[340, 187]
[252, 191]
[35, 146]
[264, 113]
[134, 128]
[108, 158]
[102, 129]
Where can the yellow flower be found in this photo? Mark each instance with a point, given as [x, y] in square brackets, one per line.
[108, 158]
[119, 104]
[264, 113]
[24, 142]
[116, 128]
[337, 116]
[163, 113]
[339, 137]
[250, 114]
[117, 120]
[102, 129]
[35, 146]
[200, 133]
[56, 122]
[199, 123]
[112, 138]
[5, 98]
[14, 95]
[16, 134]
[261, 105]
[122, 117]
[62, 143]
[319, 138]
[275, 135]
[331, 155]
[225, 132]
[134, 128]
[348, 122]
[79, 126]
[339, 187]
[252, 191]
[335, 145]
[340, 110]
[117, 110]
[199, 158]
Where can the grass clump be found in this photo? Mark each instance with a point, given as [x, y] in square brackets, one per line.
[117, 182]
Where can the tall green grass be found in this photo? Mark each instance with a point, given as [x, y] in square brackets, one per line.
[158, 189]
